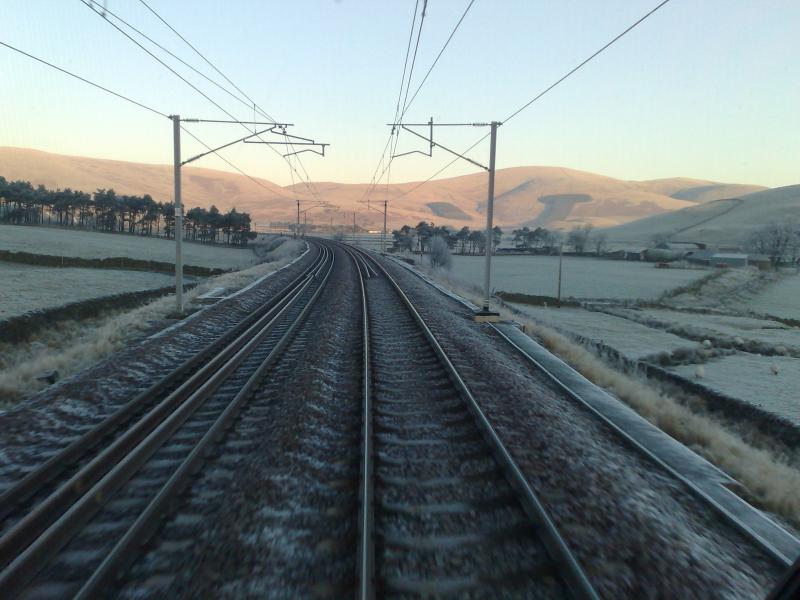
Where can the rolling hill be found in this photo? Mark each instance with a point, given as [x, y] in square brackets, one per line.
[727, 221]
[553, 197]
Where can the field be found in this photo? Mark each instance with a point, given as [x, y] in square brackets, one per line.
[767, 382]
[25, 288]
[731, 331]
[581, 277]
[633, 340]
[780, 300]
[91, 244]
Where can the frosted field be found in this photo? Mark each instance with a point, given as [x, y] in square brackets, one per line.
[24, 288]
[91, 244]
[630, 339]
[781, 299]
[582, 277]
[748, 377]
[747, 328]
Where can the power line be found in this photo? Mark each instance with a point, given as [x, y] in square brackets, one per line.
[307, 179]
[373, 181]
[547, 89]
[174, 72]
[200, 54]
[84, 80]
[438, 56]
[414, 59]
[594, 55]
[178, 58]
[387, 168]
[139, 104]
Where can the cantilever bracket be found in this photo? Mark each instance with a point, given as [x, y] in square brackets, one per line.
[433, 144]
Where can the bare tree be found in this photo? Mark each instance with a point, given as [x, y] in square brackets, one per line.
[440, 253]
[578, 238]
[775, 240]
[660, 240]
[599, 240]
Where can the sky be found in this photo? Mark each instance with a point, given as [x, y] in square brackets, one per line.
[707, 89]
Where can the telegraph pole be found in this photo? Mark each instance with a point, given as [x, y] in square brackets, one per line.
[485, 314]
[385, 210]
[176, 135]
[487, 274]
[297, 228]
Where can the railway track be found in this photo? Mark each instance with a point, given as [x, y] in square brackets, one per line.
[444, 509]
[73, 524]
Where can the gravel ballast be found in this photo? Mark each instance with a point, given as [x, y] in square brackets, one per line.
[636, 531]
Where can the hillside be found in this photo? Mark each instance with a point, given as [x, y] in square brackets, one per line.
[553, 197]
[721, 221]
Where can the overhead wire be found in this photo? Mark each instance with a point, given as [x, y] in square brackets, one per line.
[548, 89]
[174, 72]
[307, 179]
[408, 104]
[127, 99]
[84, 80]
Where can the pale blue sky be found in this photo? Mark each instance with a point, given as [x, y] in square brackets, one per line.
[704, 88]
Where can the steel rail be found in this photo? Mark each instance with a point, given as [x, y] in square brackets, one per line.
[33, 481]
[120, 465]
[571, 572]
[774, 553]
[46, 512]
[123, 553]
[366, 520]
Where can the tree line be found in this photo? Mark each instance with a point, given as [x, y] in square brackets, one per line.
[104, 210]
[462, 241]
[466, 241]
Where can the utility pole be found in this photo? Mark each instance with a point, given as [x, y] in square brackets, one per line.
[354, 228]
[176, 135]
[297, 227]
[485, 314]
[487, 274]
[560, 261]
[385, 210]
[305, 223]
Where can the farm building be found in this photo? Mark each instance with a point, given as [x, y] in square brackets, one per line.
[711, 258]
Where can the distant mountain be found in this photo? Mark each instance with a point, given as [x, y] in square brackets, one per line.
[552, 197]
[727, 221]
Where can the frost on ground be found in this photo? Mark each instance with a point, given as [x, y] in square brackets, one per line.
[581, 277]
[25, 288]
[633, 340]
[69, 347]
[731, 289]
[769, 382]
[723, 307]
[771, 478]
[781, 299]
[732, 331]
[92, 244]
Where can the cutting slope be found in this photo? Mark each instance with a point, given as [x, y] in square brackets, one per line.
[721, 221]
[553, 197]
